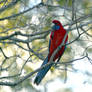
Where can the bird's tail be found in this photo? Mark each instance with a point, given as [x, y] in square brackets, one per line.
[40, 75]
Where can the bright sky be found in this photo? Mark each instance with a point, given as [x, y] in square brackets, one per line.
[34, 2]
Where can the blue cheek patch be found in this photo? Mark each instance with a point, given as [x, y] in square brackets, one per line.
[56, 27]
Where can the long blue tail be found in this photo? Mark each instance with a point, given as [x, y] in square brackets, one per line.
[40, 75]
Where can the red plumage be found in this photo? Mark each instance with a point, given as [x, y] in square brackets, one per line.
[58, 36]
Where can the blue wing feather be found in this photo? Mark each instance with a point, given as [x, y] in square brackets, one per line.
[40, 75]
[49, 44]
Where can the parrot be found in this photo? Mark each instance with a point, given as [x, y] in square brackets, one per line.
[56, 38]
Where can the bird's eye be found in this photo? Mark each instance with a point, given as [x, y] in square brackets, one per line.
[56, 23]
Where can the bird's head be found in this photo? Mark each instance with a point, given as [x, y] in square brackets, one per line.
[56, 22]
[57, 25]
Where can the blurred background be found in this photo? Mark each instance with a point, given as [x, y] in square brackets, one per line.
[25, 26]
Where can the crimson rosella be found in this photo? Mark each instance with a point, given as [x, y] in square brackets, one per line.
[56, 38]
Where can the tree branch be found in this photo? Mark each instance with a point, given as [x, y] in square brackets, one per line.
[9, 5]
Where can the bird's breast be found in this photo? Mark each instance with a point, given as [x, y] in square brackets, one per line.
[56, 41]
